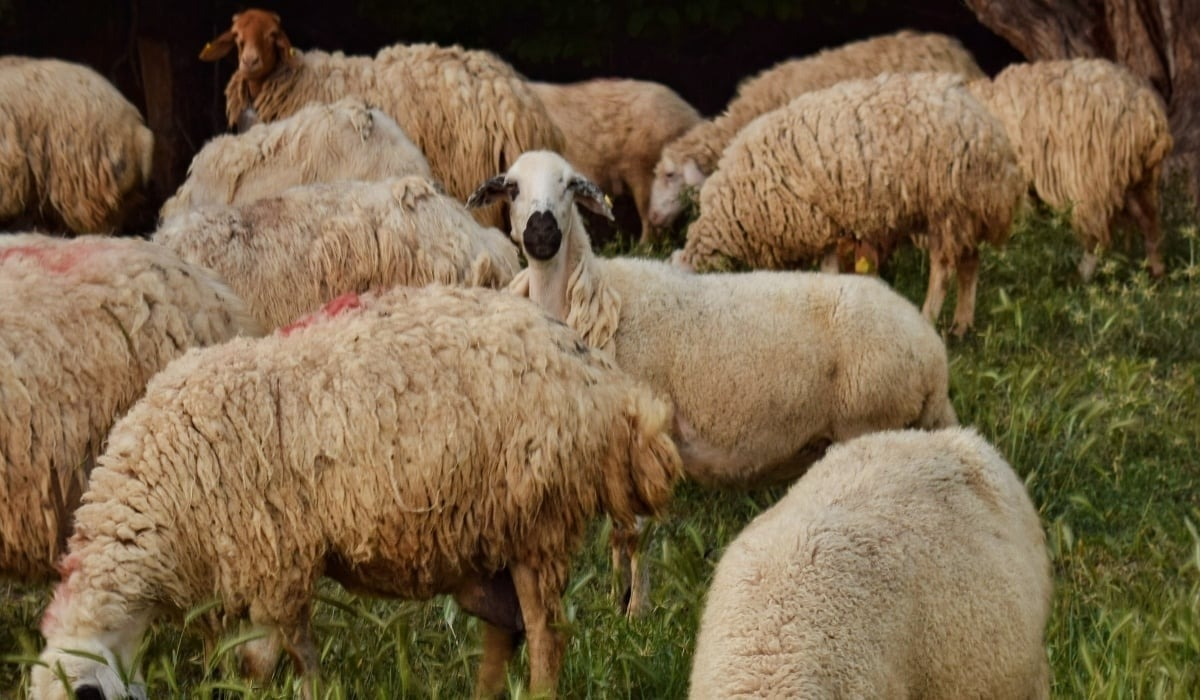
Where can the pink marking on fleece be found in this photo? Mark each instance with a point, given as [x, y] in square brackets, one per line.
[52, 618]
[332, 308]
[54, 258]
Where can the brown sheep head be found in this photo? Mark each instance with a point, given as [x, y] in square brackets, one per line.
[260, 42]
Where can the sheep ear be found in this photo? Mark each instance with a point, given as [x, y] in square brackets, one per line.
[284, 45]
[490, 191]
[218, 48]
[692, 175]
[590, 196]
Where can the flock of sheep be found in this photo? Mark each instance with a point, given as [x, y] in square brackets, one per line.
[321, 363]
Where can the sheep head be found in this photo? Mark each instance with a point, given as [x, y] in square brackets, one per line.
[541, 187]
[88, 667]
[260, 42]
[671, 178]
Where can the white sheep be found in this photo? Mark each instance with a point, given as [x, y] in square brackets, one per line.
[1091, 137]
[344, 140]
[75, 155]
[615, 131]
[468, 111]
[690, 159]
[909, 156]
[904, 564]
[765, 369]
[287, 255]
[418, 442]
[84, 324]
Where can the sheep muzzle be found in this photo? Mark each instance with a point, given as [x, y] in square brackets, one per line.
[542, 236]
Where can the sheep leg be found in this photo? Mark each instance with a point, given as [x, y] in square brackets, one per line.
[298, 643]
[498, 647]
[540, 592]
[967, 271]
[1142, 204]
[939, 279]
[631, 576]
[640, 191]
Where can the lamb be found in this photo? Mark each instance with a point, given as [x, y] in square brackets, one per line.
[615, 131]
[75, 156]
[898, 156]
[690, 159]
[468, 111]
[903, 564]
[412, 443]
[289, 254]
[765, 369]
[84, 324]
[1090, 136]
[344, 140]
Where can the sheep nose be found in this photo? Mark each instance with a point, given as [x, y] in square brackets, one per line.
[251, 62]
[542, 235]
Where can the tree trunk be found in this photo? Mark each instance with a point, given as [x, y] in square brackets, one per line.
[1156, 39]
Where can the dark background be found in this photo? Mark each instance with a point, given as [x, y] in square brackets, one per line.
[149, 48]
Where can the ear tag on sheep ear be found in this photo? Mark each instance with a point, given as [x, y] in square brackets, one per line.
[863, 266]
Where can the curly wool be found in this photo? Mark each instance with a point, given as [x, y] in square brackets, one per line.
[1087, 133]
[84, 324]
[412, 440]
[903, 564]
[902, 52]
[75, 155]
[615, 131]
[344, 140]
[289, 254]
[468, 111]
[899, 156]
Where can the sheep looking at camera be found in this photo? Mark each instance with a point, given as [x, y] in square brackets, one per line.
[320, 143]
[690, 159]
[468, 111]
[377, 443]
[289, 254]
[902, 565]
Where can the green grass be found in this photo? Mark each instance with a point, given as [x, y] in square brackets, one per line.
[1091, 390]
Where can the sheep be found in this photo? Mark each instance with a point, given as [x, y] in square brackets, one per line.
[468, 111]
[289, 254]
[412, 443]
[84, 323]
[75, 156]
[615, 131]
[690, 159]
[1090, 136]
[765, 369]
[904, 564]
[344, 140]
[898, 156]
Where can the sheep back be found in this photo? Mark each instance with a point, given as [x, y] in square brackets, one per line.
[400, 443]
[289, 254]
[75, 155]
[852, 169]
[903, 564]
[344, 140]
[468, 111]
[84, 324]
[1085, 132]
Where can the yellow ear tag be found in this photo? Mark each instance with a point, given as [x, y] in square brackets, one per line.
[608, 201]
[862, 266]
[207, 45]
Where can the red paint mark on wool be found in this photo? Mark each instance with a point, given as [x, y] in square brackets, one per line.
[56, 258]
[334, 307]
[52, 619]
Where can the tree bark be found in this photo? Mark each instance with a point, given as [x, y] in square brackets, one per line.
[1156, 39]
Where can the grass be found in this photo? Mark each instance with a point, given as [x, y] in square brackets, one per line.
[1091, 390]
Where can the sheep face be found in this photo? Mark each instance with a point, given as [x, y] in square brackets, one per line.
[89, 679]
[541, 187]
[260, 42]
[671, 179]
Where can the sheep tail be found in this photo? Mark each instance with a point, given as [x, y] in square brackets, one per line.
[642, 480]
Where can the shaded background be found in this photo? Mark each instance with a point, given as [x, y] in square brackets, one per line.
[149, 48]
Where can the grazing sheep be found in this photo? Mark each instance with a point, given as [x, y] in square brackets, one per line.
[690, 159]
[899, 156]
[902, 565]
[321, 143]
[287, 255]
[84, 324]
[422, 441]
[765, 368]
[75, 155]
[469, 112]
[615, 131]
[1090, 136]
